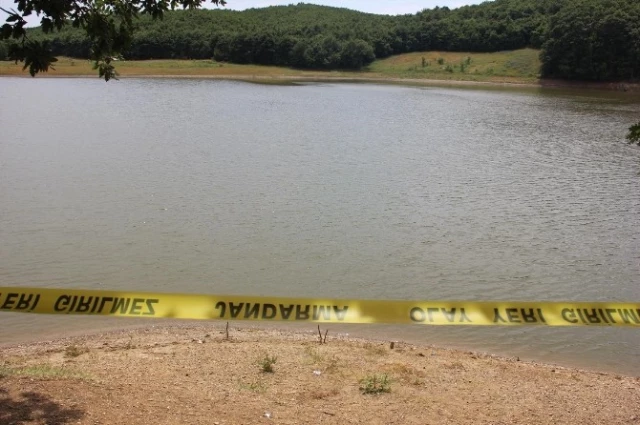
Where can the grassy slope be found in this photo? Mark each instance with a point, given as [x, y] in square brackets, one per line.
[513, 66]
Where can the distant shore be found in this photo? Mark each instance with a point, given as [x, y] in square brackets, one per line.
[196, 374]
[288, 79]
[492, 70]
[327, 78]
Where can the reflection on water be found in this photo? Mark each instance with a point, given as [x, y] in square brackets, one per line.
[325, 190]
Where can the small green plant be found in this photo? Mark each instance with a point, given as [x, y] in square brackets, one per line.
[424, 62]
[467, 60]
[462, 66]
[449, 68]
[266, 363]
[440, 61]
[375, 384]
[256, 386]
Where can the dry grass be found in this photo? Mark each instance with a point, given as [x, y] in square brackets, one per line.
[320, 394]
[519, 66]
[168, 68]
[42, 372]
[75, 351]
[176, 375]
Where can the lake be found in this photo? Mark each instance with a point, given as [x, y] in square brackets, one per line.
[326, 190]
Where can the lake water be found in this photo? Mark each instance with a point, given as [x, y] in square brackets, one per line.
[326, 190]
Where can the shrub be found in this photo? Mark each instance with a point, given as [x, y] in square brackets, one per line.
[375, 384]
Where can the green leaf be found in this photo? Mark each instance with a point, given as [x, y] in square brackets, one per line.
[37, 57]
[6, 31]
[47, 25]
[106, 69]
[634, 134]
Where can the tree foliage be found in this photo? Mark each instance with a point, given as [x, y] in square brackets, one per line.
[309, 36]
[4, 51]
[593, 40]
[107, 24]
[634, 134]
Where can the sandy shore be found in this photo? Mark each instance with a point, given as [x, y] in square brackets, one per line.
[193, 374]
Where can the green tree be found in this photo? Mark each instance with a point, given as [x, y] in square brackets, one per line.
[4, 52]
[593, 40]
[356, 54]
[109, 25]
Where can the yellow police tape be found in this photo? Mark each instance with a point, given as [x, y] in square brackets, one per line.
[192, 306]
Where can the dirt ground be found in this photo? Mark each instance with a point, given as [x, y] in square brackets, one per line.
[195, 375]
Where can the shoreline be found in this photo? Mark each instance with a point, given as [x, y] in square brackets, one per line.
[506, 82]
[372, 333]
[510, 68]
[280, 328]
[193, 373]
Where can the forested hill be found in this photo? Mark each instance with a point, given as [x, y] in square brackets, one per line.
[580, 39]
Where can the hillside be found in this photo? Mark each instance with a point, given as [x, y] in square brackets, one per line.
[580, 39]
[517, 66]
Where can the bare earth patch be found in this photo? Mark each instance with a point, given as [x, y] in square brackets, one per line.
[194, 375]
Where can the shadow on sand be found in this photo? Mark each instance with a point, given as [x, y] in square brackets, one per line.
[32, 407]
